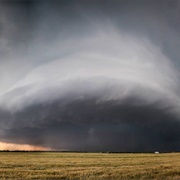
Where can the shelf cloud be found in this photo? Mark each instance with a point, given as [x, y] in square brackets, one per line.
[90, 76]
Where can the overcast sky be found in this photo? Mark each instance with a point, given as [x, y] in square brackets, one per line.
[90, 75]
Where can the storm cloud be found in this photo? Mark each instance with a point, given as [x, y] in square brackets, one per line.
[90, 75]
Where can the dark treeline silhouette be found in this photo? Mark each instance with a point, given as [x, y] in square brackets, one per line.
[108, 152]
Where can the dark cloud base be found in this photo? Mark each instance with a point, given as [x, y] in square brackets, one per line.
[85, 125]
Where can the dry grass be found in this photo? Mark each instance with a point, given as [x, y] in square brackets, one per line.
[53, 165]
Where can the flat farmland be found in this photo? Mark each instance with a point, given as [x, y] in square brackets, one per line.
[104, 166]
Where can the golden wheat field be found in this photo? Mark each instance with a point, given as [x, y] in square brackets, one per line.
[58, 165]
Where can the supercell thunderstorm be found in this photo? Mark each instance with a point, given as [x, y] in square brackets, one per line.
[91, 83]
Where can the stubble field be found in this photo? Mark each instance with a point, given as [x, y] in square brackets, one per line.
[104, 166]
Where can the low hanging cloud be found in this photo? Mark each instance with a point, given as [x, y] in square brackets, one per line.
[109, 89]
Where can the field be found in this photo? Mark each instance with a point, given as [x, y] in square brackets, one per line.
[106, 166]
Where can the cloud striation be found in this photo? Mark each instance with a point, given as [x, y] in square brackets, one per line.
[90, 76]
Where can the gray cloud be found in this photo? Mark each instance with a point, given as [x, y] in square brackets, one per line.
[88, 125]
[88, 75]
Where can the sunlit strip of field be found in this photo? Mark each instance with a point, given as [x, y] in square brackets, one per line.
[56, 165]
